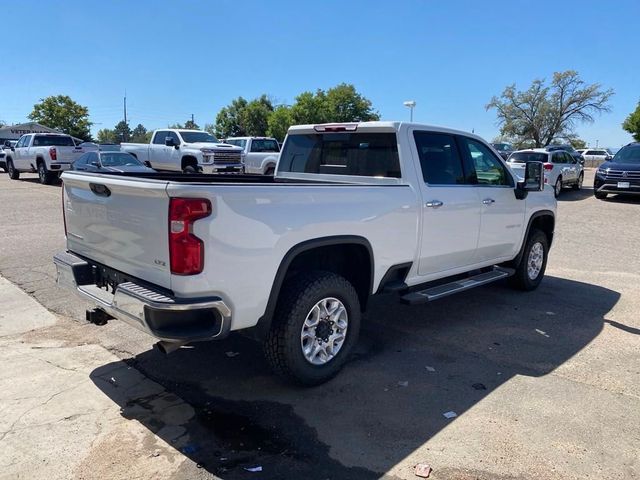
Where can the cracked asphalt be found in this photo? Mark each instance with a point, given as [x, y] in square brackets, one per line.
[544, 384]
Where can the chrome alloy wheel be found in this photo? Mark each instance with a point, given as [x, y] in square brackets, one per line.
[535, 260]
[324, 331]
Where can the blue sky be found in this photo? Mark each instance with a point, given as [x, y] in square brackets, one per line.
[178, 58]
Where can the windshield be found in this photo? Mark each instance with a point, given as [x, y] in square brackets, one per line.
[116, 159]
[528, 157]
[502, 147]
[628, 154]
[360, 154]
[198, 137]
[53, 141]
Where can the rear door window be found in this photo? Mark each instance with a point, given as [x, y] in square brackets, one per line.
[439, 158]
[357, 154]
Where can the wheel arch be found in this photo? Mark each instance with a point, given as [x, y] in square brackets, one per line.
[188, 160]
[544, 220]
[342, 254]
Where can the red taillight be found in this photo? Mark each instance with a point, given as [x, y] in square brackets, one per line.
[548, 166]
[186, 251]
[53, 154]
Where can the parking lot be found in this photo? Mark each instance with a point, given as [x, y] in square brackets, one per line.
[544, 384]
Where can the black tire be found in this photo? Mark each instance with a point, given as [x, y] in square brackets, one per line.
[522, 279]
[600, 195]
[189, 169]
[557, 188]
[270, 171]
[46, 177]
[11, 170]
[578, 184]
[283, 347]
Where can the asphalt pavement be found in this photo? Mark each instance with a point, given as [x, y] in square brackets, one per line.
[543, 384]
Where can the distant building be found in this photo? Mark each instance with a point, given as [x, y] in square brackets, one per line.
[14, 132]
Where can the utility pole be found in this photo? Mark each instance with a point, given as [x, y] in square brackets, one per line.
[125, 116]
[192, 121]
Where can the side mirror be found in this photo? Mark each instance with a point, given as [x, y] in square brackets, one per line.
[95, 164]
[168, 141]
[533, 180]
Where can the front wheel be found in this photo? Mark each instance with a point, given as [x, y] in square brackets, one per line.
[11, 170]
[530, 271]
[315, 327]
[600, 196]
[189, 169]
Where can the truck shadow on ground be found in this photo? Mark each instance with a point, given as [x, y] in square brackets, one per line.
[570, 195]
[218, 404]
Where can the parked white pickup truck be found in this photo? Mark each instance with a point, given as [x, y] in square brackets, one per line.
[187, 151]
[49, 154]
[354, 210]
[260, 154]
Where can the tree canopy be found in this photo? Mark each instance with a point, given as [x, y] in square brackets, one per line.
[632, 123]
[62, 113]
[544, 113]
[259, 117]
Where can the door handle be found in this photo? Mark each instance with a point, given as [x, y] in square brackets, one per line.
[488, 201]
[100, 190]
[434, 204]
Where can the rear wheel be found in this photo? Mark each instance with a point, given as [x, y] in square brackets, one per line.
[46, 178]
[11, 170]
[557, 188]
[530, 271]
[315, 327]
[270, 171]
[578, 184]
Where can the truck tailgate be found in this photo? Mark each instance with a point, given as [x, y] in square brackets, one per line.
[119, 222]
[68, 154]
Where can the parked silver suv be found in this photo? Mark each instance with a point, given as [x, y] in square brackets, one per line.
[561, 169]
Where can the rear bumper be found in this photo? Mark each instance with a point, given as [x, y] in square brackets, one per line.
[146, 307]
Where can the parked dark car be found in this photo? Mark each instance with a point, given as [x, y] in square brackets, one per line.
[109, 162]
[620, 174]
[504, 149]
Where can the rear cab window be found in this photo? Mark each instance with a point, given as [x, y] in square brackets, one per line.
[363, 154]
[264, 146]
[53, 141]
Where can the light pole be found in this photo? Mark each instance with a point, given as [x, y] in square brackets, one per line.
[411, 104]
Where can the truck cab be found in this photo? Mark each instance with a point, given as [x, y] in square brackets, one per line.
[260, 154]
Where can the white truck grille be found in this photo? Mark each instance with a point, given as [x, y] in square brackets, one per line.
[226, 157]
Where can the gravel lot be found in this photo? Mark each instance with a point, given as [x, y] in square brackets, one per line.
[544, 384]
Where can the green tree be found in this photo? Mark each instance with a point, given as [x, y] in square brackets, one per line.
[140, 134]
[279, 122]
[191, 125]
[122, 131]
[254, 118]
[107, 135]
[228, 119]
[62, 113]
[632, 123]
[544, 112]
[345, 104]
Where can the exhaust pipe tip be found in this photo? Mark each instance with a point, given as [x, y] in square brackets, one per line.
[167, 347]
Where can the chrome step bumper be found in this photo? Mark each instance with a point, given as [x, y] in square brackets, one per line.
[147, 308]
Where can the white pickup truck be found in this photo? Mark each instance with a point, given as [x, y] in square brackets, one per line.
[354, 210]
[260, 154]
[49, 154]
[188, 151]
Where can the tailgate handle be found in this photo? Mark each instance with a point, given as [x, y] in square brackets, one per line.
[100, 190]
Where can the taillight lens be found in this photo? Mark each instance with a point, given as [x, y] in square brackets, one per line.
[53, 154]
[548, 166]
[186, 251]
